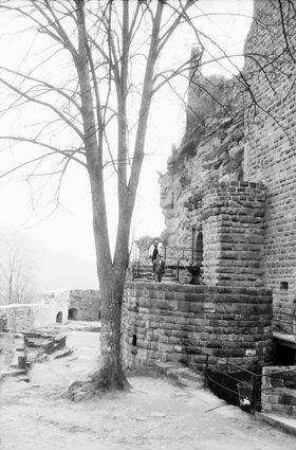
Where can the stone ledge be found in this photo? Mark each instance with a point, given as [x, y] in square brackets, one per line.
[197, 288]
[285, 424]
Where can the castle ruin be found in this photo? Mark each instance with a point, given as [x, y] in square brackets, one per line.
[229, 202]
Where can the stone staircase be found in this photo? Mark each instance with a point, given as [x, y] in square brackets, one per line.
[144, 273]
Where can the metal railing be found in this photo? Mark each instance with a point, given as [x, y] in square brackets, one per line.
[176, 258]
[172, 254]
[235, 384]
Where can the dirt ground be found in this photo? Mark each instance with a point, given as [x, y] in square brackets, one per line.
[154, 415]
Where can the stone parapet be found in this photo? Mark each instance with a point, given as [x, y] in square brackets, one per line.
[187, 323]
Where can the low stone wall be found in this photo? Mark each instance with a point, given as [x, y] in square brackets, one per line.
[184, 323]
[3, 322]
[284, 310]
[19, 317]
[12, 353]
[279, 390]
[53, 308]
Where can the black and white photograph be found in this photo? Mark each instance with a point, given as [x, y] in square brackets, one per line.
[147, 224]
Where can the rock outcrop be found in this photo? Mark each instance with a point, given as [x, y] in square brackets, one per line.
[211, 150]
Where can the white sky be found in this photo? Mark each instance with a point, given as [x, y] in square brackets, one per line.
[67, 236]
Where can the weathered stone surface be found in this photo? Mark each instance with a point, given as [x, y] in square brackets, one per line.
[211, 151]
[270, 130]
[87, 304]
[54, 307]
[12, 355]
[21, 317]
[279, 390]
[179, 330]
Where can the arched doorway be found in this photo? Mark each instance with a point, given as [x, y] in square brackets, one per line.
[59, 317]
[72, 314]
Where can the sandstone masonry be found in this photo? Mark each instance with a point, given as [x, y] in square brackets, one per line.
[229, 201]
[270, 129]
[177, 323]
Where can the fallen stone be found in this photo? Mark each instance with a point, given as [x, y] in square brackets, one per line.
[67, 351]
[23, 378]
[12, 373]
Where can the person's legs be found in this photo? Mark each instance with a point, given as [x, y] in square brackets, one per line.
[158, 277]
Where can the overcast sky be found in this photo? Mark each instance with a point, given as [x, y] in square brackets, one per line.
[66, 236]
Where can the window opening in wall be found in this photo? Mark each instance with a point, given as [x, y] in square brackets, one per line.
[134, 341]
[59, 318]
[72, 314]
[284, 285]
[198, 258]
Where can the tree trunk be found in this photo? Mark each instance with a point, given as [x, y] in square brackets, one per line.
[111, 374]
[111, 278]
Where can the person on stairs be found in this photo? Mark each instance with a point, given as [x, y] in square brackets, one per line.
[153, 251]
[158, 268]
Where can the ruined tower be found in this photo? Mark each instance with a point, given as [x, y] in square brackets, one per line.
[270, 131]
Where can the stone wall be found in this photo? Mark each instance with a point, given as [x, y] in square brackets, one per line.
[233, 234]
[54, 307]
[284, 310]
[217, 139]
[3, 322]
[20, 317]
[270, 130]
[211, 151]
[279, 390]
[184, 323]
[87, 303]
[12, 354]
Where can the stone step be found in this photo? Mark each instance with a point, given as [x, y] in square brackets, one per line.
[47, 343]
[179, 373]
[283, 423]
[149, 272]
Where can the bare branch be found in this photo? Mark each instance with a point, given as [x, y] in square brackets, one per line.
[49, 86]
[67, 153]
[43, 103]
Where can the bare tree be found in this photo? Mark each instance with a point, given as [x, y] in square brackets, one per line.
[18, 270]
[101, 40]
[102, 43]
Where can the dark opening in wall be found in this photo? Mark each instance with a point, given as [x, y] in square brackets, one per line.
[59, 318]
[134, 341]
[284, 356]
[197, 258]
[72, 314]
[284, 285]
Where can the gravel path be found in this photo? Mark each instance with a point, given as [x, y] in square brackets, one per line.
[154, 415]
